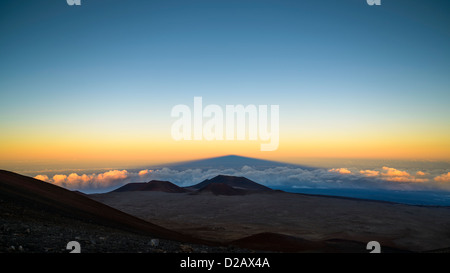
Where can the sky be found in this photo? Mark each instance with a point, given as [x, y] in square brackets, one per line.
[93, 85]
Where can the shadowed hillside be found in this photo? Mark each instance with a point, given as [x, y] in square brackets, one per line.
[154, 185]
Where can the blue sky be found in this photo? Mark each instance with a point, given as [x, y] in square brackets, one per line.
[332, 66]
[191, 47]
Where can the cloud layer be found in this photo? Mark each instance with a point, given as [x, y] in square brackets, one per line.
[382, 178]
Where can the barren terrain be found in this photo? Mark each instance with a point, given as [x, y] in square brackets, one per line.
[315, 218]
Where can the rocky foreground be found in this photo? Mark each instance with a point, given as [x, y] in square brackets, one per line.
[37, 217]
[29, 230]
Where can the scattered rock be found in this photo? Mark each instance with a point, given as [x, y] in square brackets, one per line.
[186, 248]
[154, 242]
[5, 228]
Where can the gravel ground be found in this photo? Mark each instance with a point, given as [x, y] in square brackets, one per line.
[32, 230]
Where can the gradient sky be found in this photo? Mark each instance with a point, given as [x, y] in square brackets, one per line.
[96, 83]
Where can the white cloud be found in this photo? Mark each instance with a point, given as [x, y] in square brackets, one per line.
[110, 176]
[392, 172]
[369, 173]
[420, 173]
[74, 181]
[340, 170]
[59, 179]
[443, 177]
[42, 177]
[407, 179]
[385, 177]
[394, 175]
[143, 173]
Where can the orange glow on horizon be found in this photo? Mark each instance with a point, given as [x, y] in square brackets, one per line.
[134, 148]
[168, 150]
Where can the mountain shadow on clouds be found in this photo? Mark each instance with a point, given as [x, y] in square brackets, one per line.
[232, 162]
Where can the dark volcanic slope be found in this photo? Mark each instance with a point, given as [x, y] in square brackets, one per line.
[154, 185]
[164, 186]
[232, 181]
[59, 202]
[131, 187]
[221, 189]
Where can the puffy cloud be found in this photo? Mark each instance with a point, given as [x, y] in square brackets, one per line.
[110, 176]
[394, 175]
[59, 179]
[75, 181]
[369, 173]
[42, 177]
[80, 181]
[394, 172]
[144, 173]
[443, 177]
[341, 171]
